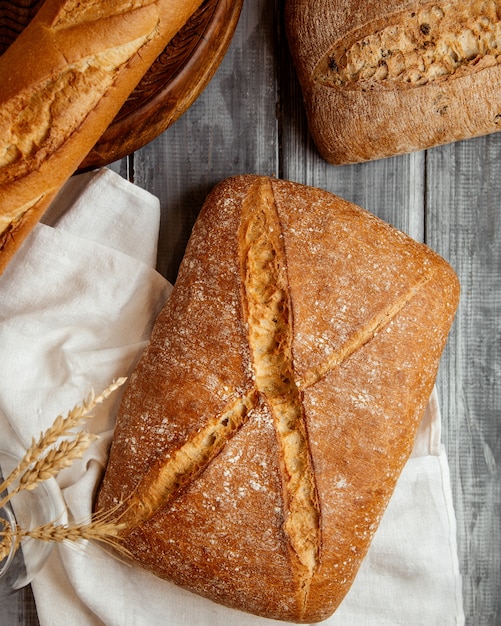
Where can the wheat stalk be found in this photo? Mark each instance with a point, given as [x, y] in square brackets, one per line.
[60, 428]
[7, 539]
[97, 530]
[41, 462]
[54, 461]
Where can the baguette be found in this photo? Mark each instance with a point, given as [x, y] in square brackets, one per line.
[386, 78]
[62, 81]
[262, 433]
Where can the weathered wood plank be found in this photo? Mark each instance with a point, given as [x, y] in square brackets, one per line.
[464, 224]
[19, 608]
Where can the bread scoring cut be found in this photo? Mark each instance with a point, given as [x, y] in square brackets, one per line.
[318, 329]
[169, 474]
[421, 45]
[269, 318]
[46, 115]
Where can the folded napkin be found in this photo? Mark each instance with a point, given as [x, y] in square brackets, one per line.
[77, 307]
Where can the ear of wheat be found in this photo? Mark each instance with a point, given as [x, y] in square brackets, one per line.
[57, 448]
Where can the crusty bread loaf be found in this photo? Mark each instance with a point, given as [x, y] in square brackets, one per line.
[62, 82]
[386, 78]
[263, 431]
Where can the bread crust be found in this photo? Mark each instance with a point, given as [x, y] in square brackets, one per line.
[263, 431]
[381, 79]
[63, 80]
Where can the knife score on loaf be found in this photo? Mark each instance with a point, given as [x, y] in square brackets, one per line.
[265, 426]
[62, 82]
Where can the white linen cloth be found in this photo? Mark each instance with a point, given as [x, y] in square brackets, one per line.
[77, 305]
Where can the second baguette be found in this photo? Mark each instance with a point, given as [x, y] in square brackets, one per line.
[62, 81]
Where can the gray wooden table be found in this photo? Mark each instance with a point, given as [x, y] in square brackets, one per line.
[250, 120]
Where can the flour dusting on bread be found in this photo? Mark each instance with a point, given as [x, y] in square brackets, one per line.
[265, 427]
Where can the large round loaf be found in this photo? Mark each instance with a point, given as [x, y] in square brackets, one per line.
[387, 78]
[264, 429]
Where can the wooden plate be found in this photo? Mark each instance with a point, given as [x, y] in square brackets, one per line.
[173, 82]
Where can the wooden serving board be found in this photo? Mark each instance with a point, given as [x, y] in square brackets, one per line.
[171, 85]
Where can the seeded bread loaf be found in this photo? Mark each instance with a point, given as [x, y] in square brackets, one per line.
[386, 78]
[263, 431]
[62, 82]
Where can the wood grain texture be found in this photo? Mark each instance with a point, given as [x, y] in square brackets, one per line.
[13, 18]
[463, 222]
[250, 119]
[19, 609]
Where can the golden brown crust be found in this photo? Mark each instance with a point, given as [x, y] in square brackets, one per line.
[325, 326]
[63, 81]
[17, 231]
[381, 79]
